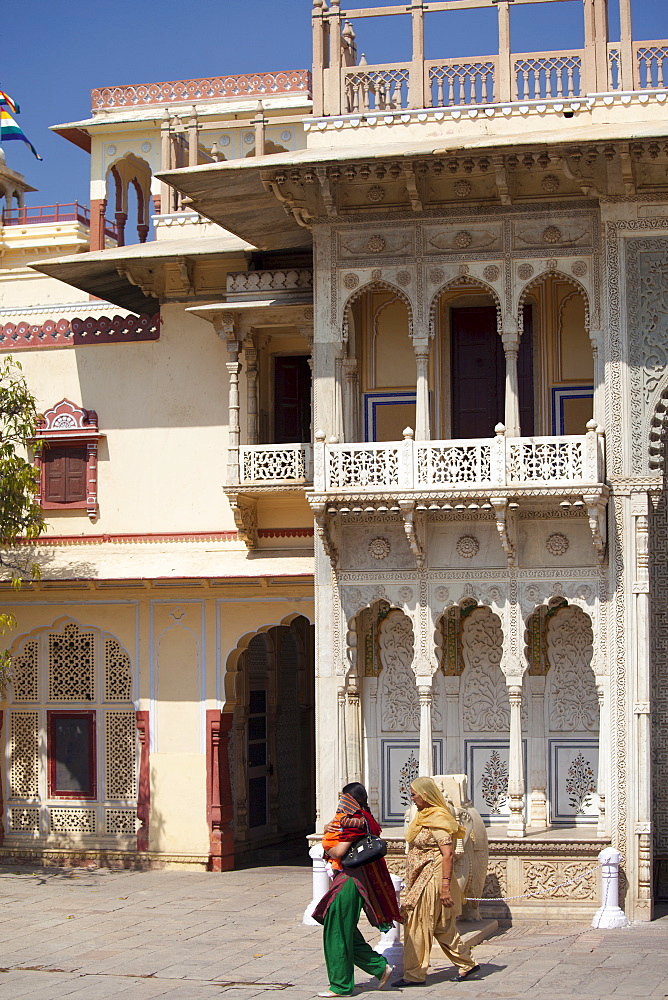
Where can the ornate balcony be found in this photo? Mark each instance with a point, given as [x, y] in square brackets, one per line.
[275, 464]
[413, 477]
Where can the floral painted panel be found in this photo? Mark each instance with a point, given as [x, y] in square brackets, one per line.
[573, 777]
[488, 768]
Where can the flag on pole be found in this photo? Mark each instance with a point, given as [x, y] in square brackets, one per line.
[8, 102]
[10, 130]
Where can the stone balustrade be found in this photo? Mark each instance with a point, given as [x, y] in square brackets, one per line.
[207, 89]
[262, 464]
[408, 465]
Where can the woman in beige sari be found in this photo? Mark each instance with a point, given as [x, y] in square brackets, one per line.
[431, 900]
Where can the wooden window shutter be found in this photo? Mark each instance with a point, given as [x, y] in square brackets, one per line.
[54, 475]
[75, 470]
[65, 474]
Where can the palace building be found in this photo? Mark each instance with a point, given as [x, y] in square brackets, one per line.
[354, 463]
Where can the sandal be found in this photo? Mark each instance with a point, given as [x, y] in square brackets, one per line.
[459, 979]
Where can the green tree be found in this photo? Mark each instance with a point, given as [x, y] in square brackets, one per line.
[20, 514]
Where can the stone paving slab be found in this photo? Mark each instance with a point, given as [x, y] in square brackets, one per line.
[97, 934]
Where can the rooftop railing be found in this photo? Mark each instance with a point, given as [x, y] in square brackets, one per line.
[344, 85]
[43, 214]
[210, 88]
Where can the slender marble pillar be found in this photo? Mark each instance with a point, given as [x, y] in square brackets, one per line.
[511, 346]
[250, 356]
[516, 825]
[426, 756]
[422, 423]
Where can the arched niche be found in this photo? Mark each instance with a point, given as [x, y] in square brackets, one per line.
[563, 351]
[131, 178]
[378, 324]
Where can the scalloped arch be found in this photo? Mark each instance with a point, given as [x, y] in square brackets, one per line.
[230, 694]
[463, 279]
[377, 284]
[553, 273]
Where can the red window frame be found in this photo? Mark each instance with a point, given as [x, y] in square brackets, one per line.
[68, 452]
[54, 792]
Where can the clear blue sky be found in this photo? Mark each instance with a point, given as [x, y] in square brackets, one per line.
[54, 53]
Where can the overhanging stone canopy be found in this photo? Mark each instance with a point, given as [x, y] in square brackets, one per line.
[273, 201]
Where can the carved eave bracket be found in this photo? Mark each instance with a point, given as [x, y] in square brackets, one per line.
[505, 526]
[244, 510]
[323, 527]
[596, 504]
[414, 523]
[296, 207]
[149, 280]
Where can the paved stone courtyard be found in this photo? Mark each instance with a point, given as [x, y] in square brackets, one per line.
[97, 934]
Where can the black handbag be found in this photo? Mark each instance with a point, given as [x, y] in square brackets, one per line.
[365, 850]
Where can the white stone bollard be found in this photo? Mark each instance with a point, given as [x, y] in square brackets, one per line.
[320, 883]
[390, 941]
[609, 913]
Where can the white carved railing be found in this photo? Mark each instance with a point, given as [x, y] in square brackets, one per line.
[291, 279]
[275, 463]
[547, 75]
[375, 88]
[365, 466]
[498, 462]
[651, 65]
[456, 83]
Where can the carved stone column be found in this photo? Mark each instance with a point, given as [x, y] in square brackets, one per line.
[353, 730]
[641, 708]
[342, 755]
[166, 192]
[193, 138]
[250, 357]
[426, 754]
[511, 345]
[422, 423]
[338, 398]
[350, 400]
[603, 751]
[538, 774]
[259, 128]
[598, 410]
[227, 331]
[516, 824]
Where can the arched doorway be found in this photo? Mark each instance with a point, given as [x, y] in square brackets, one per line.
[274, 746]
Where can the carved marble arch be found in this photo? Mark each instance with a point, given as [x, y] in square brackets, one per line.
[362, 640]
[485, 703]
[377, 285]
[538, 280]
[571, 683]
[233, 681]
[472, 283]
[537, 620]
[448, 636]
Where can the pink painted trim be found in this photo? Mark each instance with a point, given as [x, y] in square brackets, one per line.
[285, 532]
[212, 88]
[80, 332]
[175, 536]
[144, 795]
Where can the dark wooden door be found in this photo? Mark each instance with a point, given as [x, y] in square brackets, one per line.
[292, 399]
[478, 373]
